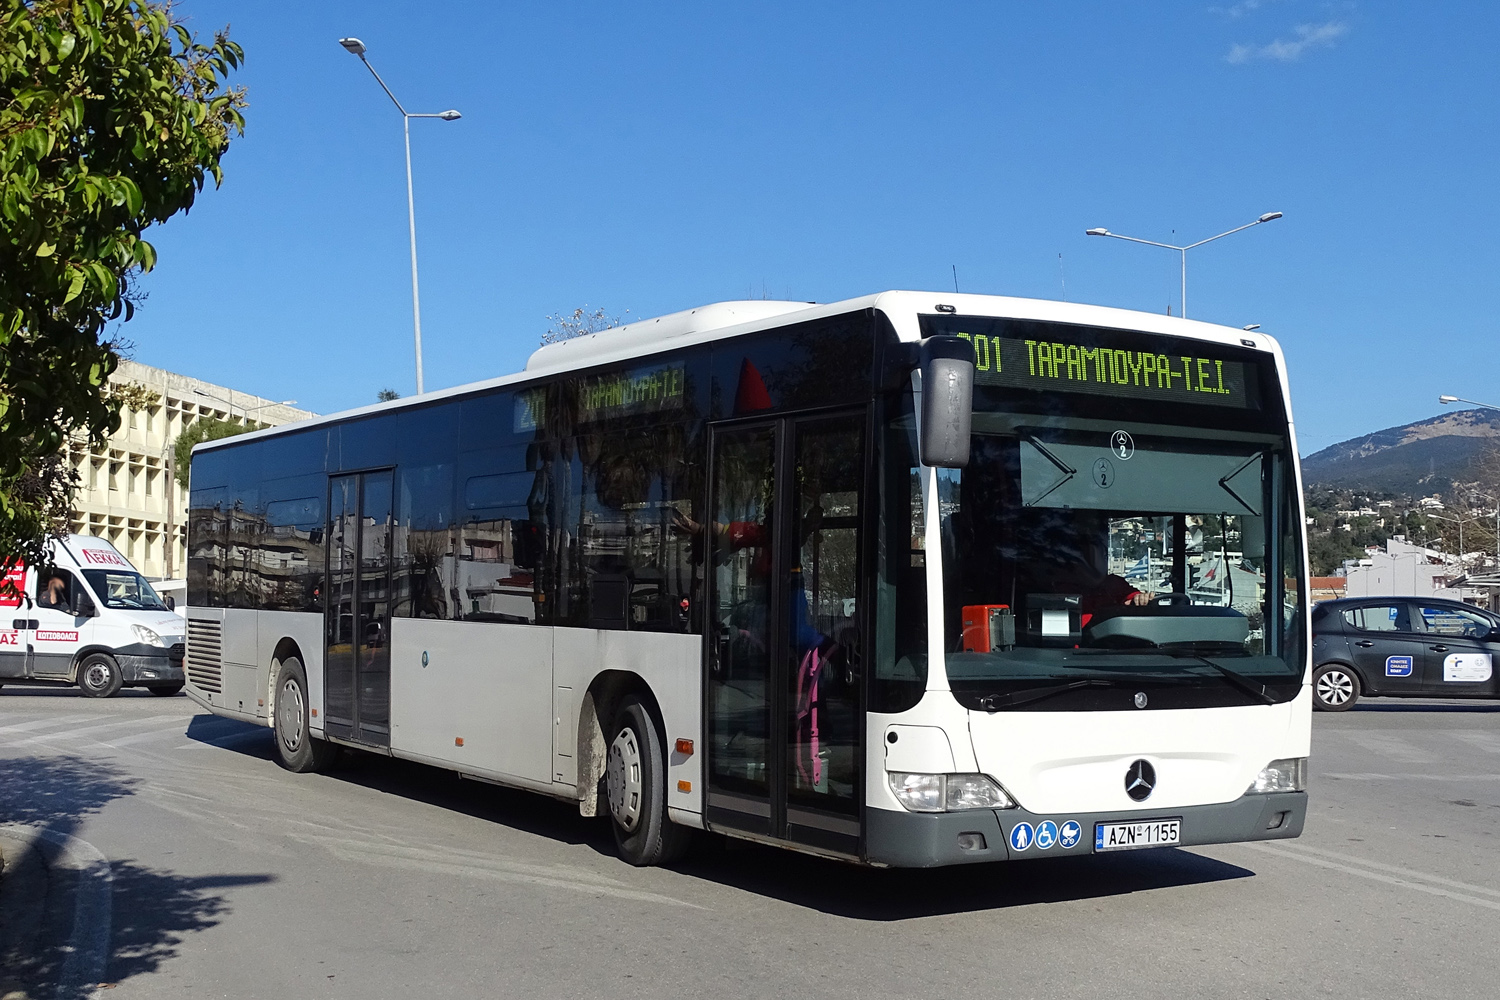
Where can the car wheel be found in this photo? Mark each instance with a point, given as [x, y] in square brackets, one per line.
[296, 747]
[165, 690]
[99, 676]
[635, 774]
[1335, 688]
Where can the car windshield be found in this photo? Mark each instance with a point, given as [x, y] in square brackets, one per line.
[1096, 564]
[123, 591]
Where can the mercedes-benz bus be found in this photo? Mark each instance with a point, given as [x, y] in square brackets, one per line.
[911, 579]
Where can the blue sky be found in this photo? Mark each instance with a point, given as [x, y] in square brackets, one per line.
[649, 158]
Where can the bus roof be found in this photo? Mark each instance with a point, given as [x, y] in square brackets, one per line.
[722, 320]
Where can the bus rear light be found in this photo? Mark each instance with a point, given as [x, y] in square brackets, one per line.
[685, 747]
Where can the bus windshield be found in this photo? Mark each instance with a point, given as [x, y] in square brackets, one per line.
[1094, 564]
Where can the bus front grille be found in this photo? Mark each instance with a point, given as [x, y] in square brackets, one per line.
[204, 666]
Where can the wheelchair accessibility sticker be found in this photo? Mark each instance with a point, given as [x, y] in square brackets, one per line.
[1398, 666]
[1046, 834]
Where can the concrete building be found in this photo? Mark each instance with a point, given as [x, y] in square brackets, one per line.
[1403, 570]
[126, 490]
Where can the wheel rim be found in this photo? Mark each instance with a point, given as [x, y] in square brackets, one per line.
[289, 715]
[623, 778]
[96, 676]
[1335, 687]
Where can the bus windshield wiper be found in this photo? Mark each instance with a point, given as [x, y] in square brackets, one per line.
[1251, 687]
[995, 702]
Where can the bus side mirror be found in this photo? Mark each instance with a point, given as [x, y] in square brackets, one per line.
[947, 401]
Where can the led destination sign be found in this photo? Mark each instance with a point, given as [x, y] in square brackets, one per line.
[611, 396]
[1069, 364]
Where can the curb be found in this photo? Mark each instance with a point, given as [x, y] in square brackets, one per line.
[86, 952]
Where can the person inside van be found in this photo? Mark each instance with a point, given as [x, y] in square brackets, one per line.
[53, 593]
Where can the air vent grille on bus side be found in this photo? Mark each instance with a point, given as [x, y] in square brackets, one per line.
[204, 664]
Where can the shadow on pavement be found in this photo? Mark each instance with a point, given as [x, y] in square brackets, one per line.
[1481, 707]
[232, 734]
[151, 911]
[827, 886]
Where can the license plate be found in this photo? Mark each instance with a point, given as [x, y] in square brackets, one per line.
[1132, 836]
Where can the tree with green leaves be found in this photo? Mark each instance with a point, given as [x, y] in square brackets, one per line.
[203, 429]
[112, 117]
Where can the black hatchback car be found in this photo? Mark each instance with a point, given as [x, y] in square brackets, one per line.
[1416, 647]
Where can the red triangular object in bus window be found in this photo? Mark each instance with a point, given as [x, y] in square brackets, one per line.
[751, 396]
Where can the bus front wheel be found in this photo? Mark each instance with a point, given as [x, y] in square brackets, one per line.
[635, 774]
[296, 748]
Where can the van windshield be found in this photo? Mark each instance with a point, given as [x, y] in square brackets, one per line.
[123, 590]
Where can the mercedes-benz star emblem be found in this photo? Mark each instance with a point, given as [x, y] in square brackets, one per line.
[1140, 779]
[1140, 699]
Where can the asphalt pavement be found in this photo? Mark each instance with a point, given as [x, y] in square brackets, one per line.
[161, 852]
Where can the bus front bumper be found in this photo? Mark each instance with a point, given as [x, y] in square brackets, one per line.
[929, 840]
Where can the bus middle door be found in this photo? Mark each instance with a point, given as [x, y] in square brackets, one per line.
[786, 634]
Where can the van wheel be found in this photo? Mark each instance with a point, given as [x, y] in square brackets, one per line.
[296, 748]
[1335, 688]
[99, 676]
[635, 775]
[165, 690]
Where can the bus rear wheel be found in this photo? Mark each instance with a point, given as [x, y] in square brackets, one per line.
[635, 773]
[296, 747]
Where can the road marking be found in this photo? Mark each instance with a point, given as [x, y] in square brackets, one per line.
[259, 732]
[1377, 776]
[88, 943]
[26, 727]
[469, 864]
[72, 733]
[1380, 876]
[1394, 747]
[1484, 741]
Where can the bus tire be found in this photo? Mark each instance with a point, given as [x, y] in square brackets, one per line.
[296, 748]
[165, 690]
[1335, 688]
[99, 676]
[635, 774]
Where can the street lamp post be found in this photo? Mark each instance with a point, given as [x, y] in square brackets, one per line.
[1268, 217]
[357, 47]
[1460, 522]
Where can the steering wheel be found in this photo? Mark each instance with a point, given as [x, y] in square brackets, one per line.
[1166, 600]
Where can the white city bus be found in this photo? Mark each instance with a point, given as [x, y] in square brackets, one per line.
[734, 569]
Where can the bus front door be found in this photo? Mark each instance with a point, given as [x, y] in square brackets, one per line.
[784, 712]
[357, 615]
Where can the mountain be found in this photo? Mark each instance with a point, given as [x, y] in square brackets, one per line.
[1421, 458]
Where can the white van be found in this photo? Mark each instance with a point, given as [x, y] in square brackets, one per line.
[88, 618]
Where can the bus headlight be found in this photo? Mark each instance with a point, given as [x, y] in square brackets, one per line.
[1288, 775]
[146, 635]
[948, 792]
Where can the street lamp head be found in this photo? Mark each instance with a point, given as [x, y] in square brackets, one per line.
[1096, 232]
[1269, 216]
[1447, 399]
[354, 45]
[450, 116]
